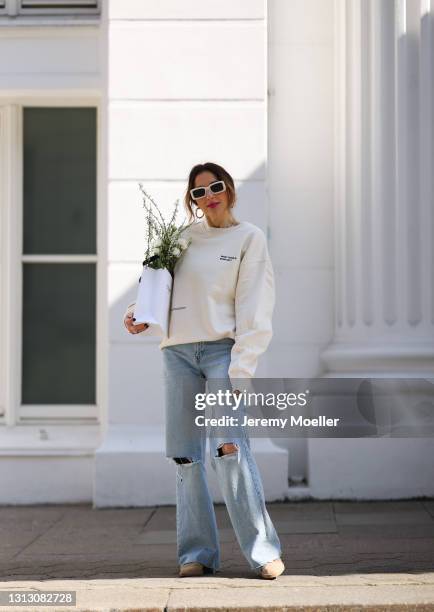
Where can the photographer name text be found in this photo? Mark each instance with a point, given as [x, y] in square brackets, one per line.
[294, 421]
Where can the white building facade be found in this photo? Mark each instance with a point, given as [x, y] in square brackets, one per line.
[322, 110]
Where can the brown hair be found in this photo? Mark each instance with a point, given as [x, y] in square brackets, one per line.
[220, 173]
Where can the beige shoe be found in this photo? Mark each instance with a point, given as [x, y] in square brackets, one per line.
[191, 569]
[271, 570]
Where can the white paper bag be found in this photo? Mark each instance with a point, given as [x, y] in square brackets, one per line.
[153, 301]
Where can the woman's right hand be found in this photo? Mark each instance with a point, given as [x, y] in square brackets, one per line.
[131, 327]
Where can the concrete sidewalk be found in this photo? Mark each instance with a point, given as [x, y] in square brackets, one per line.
[338, 556]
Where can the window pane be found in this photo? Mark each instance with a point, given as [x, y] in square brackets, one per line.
[59, 181]
[59, 311]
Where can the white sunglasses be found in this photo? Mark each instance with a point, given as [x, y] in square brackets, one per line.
[200, 192]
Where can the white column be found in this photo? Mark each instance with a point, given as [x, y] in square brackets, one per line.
[384, 200]
[300, 191]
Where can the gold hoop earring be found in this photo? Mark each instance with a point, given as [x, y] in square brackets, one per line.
[196, 215]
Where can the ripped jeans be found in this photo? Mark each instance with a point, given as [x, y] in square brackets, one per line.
[187, 367]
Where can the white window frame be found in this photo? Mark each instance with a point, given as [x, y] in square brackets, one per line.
[12, 412]
[14, 8]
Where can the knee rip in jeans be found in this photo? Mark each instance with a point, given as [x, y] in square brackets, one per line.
[181, 460]
[227, 448]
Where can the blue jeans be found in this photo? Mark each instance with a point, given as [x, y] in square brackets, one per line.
[187, 368]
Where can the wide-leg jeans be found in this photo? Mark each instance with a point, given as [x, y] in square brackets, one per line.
[200, 367]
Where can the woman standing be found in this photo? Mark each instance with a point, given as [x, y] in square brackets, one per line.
[220, 322]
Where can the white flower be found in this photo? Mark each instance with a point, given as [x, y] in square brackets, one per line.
[182, 243]
[176, 251]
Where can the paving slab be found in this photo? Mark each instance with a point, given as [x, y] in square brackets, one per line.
[74, 539]
[107, 516]
[92, 596]
[429, 507]
[302, 510]
[397, 530]
[356, 507]
[304, 598]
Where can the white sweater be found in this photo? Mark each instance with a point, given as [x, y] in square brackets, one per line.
[224, 288]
